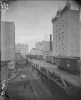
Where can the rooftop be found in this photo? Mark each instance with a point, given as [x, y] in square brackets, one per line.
[59, 12]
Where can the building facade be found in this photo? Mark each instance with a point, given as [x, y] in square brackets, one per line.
[66, 32]
[17, 56]
[7, 41]
[43, 48]
[80, 37]
[7, 48]
[21, 48]
[33, 51]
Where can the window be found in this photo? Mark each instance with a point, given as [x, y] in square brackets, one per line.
[59, 35]
[59, 26]
[62, 34]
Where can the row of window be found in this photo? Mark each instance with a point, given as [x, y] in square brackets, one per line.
[62, 44]
[60, 36]
[60, 25]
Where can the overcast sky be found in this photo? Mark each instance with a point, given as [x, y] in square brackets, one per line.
[33, 19]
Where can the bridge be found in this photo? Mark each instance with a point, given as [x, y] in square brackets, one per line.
[68, 83]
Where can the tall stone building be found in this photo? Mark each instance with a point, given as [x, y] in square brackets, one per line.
[7, 41]
[7, 47]
[66, 32]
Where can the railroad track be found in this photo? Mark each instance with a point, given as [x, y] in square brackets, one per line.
[73, 79]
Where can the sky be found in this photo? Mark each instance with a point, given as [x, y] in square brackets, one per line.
[33, 19]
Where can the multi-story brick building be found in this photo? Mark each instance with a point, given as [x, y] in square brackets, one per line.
[43, 48]
[66, 32]
[21, 48]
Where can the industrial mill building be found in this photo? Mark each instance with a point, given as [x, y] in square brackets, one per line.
[66, 32]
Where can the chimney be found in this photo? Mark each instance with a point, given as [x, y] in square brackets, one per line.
[50, 42]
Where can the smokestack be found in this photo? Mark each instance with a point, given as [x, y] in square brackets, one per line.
[50, 42]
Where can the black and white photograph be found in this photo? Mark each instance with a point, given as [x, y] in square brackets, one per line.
[40, 50]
